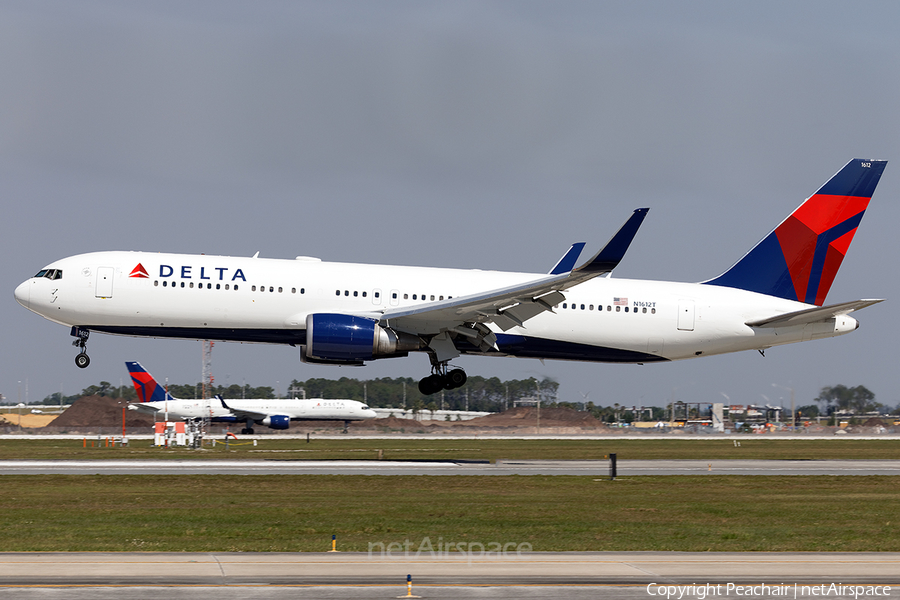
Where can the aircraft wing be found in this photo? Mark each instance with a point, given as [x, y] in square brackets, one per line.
[243, 414]
[813, 315]
[511, 306]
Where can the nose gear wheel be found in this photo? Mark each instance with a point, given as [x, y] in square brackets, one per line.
[82, 360]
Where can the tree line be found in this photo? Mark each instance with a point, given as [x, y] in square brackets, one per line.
[489, 394]
[185, 391]
[478, 394]
[841, 399]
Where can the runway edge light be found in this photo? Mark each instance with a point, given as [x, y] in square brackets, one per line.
[409, 593]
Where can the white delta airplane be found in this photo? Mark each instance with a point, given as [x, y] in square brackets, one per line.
[347, 313]
[274, 414]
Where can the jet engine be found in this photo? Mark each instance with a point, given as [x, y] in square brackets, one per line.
[350, 340]
[277, 421]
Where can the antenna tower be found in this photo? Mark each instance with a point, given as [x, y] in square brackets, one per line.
[207, 376]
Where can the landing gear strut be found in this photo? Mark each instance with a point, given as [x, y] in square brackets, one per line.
[442, 379]
[82, 360]
[248, 430]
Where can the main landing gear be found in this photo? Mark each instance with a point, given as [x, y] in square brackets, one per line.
[442, 379]
[82, 360]
[248, 430]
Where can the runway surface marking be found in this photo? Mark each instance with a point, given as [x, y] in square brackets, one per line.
[597, 468]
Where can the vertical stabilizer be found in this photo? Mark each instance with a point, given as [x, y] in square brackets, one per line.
[148, 390]
[800, 258]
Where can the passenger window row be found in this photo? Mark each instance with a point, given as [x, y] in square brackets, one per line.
[394, 295]
[227, 286]
[430, 298]
[609, 308]
[190, 284]
[273, 289]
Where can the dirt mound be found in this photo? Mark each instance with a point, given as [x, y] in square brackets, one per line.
[391, 423]
[100, 411]
[526, 416]
[874, 422]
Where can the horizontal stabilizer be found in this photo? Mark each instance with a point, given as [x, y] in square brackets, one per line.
[813, 315]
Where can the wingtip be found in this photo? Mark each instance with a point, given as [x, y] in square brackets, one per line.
[610, 255]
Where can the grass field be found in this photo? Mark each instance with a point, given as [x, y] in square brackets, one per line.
[301, 513]
[754, 447]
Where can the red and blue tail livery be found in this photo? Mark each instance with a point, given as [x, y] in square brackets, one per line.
[800, 258]
[148, 390]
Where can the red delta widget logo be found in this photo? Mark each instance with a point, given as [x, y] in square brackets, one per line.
[139, 271]
[190, 272]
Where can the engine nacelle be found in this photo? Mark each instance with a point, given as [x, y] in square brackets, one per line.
[277, 421]
[348, 339]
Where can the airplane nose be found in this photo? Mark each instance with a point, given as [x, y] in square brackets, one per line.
[23, 294]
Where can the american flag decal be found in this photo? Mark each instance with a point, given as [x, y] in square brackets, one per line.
[620, 301]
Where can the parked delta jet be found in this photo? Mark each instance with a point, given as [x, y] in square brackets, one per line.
[274, 414]
[346, 314]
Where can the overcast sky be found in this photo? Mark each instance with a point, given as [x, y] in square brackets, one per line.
[459, 134]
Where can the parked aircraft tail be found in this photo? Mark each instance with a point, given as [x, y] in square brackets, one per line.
[148, 390]
[799, 259]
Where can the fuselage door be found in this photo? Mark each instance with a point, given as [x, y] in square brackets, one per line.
[686, 315]
[104, 282]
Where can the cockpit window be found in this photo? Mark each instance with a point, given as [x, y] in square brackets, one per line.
[50, 273]
[364, 407]
[56, 274]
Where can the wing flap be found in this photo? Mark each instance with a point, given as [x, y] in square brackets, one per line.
[813, 315]
[515, 316]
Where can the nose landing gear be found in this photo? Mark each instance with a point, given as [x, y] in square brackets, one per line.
[82, 360]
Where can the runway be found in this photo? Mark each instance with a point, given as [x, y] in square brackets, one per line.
[382, 574]
[596, 468]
